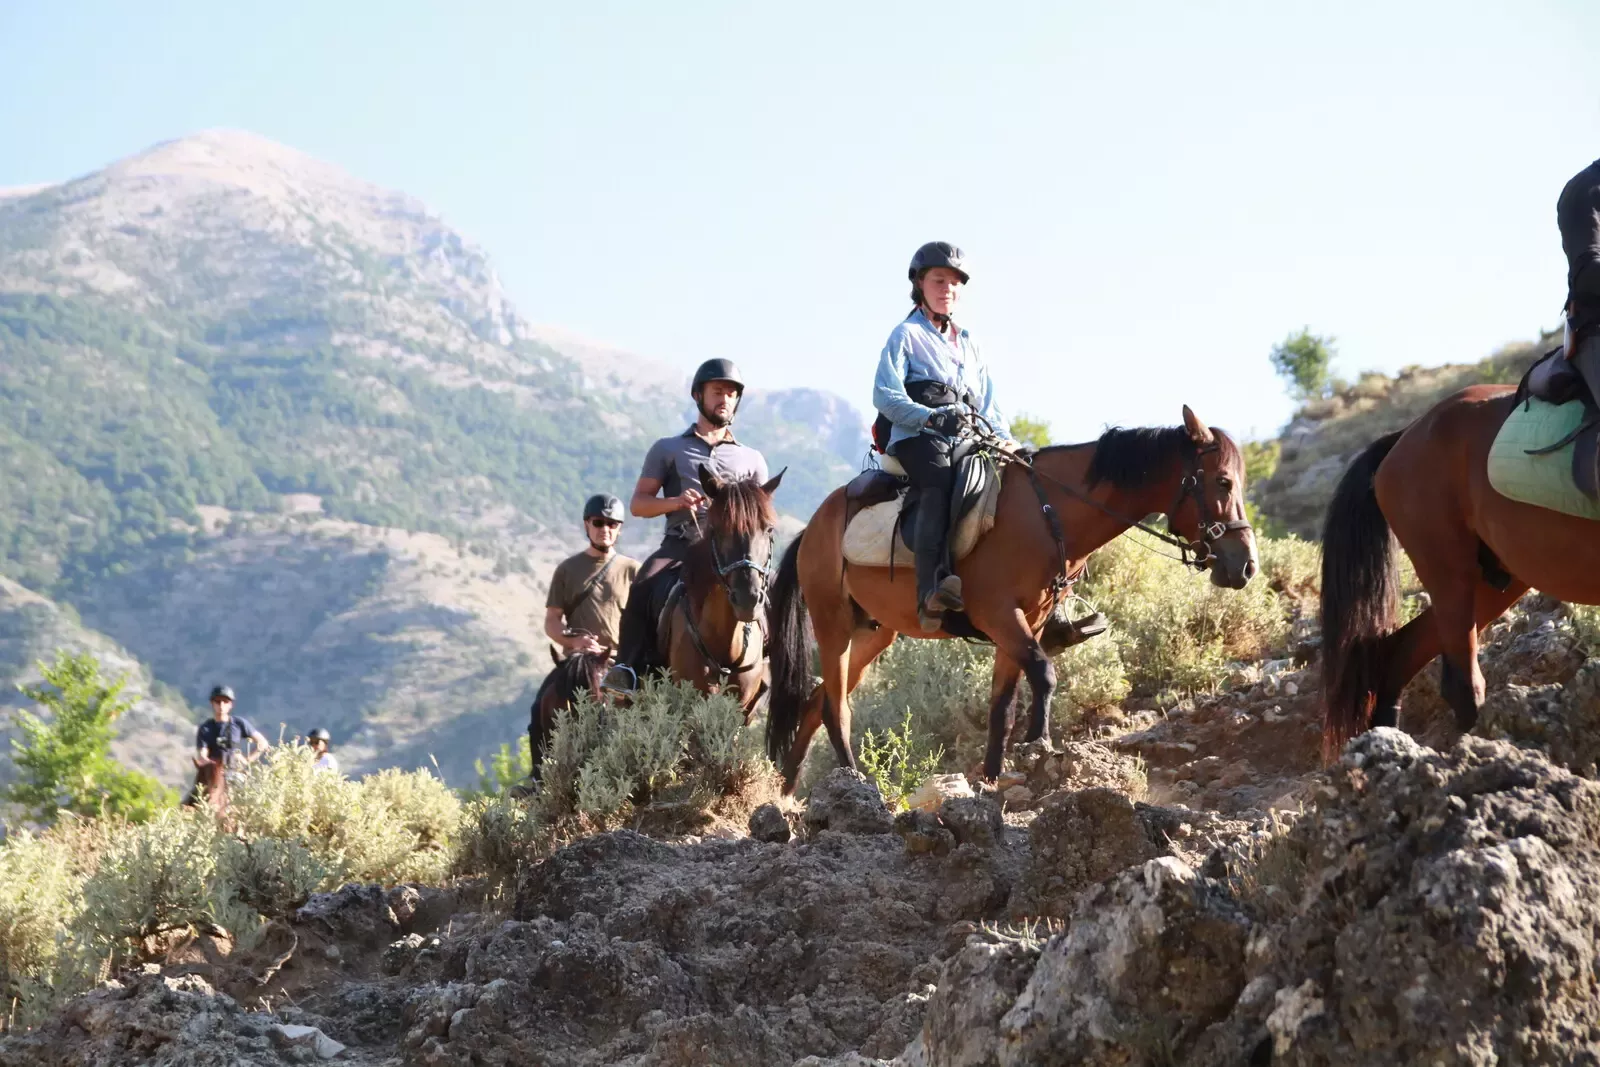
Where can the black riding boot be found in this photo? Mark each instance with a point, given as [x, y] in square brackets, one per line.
[938, 589]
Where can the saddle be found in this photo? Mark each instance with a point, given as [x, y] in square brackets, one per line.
[880, 517]
[1575, 429]
[1546, 452]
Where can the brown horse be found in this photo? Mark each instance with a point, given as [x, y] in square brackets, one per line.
[1049, 519]
[1475, 552]
[713, 635]
[581, 672]
[211, 786]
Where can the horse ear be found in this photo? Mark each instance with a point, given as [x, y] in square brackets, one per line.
[709, 481]
[771, 485]
[1199, 433]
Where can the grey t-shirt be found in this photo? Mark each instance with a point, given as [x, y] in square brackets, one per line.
[674, 462]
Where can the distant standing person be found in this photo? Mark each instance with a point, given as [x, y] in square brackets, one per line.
[583, 611]
[320, 739]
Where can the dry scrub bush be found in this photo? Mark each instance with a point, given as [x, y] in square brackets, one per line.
[39, 891]
[394, 826]
[670, 750]
[1177, 632]
[91, 894]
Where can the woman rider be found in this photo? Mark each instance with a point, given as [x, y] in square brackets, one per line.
[930, 375]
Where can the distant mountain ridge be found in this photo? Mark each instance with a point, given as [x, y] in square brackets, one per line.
[223, 325]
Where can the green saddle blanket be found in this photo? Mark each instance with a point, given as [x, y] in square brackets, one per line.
[1545, 481]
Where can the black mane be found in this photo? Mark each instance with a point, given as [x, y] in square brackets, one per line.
[1132, 459]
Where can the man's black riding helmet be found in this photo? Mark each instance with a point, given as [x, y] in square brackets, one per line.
[222, 691]
[319, 734]
[716, 370]
[603, 506]
[938, 254]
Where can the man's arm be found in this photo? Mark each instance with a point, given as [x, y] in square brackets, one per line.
[646, 504]
[554, 627]
[202, 755]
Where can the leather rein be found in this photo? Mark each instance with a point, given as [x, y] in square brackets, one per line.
[1197, 554]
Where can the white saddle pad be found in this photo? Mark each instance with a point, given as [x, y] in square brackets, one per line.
[871, 534]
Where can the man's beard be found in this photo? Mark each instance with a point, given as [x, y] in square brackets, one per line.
[718, 420]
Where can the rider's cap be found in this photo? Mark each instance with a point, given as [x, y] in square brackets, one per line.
[717, 370]
[603, 506]
[222, 692]
[319, 734]
[938, 254]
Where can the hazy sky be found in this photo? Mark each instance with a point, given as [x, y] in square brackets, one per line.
[1151, 193]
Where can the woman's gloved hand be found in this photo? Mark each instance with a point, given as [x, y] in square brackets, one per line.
[946, 420]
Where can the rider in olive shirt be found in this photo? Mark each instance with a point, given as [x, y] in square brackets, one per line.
[669, 485]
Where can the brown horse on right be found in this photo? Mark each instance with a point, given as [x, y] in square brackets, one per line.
[1048, 520]
[1475, 551]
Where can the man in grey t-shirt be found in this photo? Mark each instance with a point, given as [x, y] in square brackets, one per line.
[669, 485]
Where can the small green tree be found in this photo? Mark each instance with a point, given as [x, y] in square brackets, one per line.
[64, 760]
[1305, 362]
[1031, 431]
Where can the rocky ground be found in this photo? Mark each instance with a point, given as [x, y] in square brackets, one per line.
[1187, 888]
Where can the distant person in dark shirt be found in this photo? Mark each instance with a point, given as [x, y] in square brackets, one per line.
[227, 738]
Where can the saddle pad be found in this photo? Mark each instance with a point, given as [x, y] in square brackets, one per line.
[868, 538]
[1544, 481]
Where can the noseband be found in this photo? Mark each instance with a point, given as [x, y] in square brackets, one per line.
[1211, 530]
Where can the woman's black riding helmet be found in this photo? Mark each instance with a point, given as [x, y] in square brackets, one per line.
[931, 255]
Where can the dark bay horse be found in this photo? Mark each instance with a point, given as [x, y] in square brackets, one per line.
[579, 673]
[1192, 474]
[714, 636]
[1475, 551]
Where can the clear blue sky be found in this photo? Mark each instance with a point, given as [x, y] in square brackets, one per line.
[1152, 193]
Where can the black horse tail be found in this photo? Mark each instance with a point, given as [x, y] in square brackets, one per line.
[790, 655]
[1360, 599]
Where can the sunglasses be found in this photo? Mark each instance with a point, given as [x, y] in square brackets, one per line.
[609, 523]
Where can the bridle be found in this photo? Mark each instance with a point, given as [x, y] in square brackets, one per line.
[723, 570]
[1197, 553]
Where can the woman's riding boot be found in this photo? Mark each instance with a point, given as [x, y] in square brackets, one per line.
[938, 590]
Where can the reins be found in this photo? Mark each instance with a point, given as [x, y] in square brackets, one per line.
[1189, 484]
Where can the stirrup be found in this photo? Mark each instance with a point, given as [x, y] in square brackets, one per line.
[931, 624]
[620, 678]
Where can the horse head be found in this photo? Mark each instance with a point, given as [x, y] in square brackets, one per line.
[1209, 509]
[742, 525]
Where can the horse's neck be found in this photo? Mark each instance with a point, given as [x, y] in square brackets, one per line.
[1087, 527]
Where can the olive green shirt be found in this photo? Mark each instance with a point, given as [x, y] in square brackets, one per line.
[600, 613]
